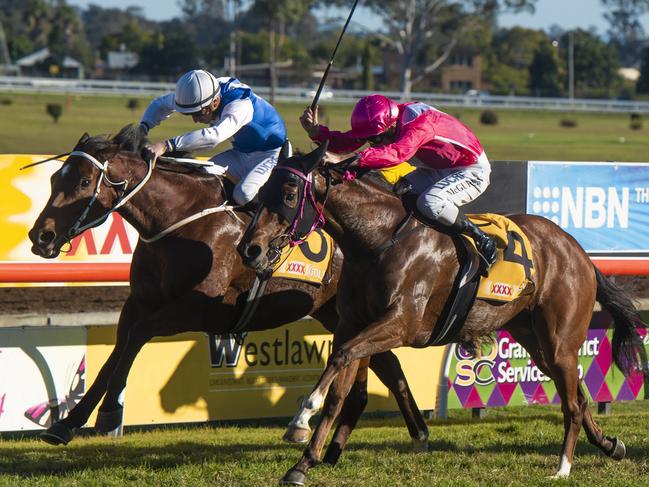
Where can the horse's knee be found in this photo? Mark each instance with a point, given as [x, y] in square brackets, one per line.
[339, 359]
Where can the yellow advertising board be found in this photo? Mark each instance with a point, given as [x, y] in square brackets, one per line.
[99, 254]
[186, 378]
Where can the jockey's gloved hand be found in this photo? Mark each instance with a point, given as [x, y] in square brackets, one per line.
[309, 121]
[151, 152]
[345, 160]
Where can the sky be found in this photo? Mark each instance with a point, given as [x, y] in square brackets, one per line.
[567, 14]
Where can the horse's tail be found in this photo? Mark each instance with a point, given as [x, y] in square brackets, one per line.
[627, 343]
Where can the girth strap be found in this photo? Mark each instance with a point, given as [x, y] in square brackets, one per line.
[252, 302]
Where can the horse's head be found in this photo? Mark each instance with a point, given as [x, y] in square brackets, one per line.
[83, 191]
[287, 212]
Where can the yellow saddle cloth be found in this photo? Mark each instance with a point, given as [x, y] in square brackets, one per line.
[511, 275]
[307, 262]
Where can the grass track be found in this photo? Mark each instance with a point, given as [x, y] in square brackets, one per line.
[520, 135]
[515, 446]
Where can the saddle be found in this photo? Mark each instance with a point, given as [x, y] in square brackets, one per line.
[509, 278]
[465, 286]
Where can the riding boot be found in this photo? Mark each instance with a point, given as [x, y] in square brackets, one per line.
[485, 244]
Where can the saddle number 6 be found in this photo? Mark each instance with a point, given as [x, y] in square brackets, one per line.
[510, 255]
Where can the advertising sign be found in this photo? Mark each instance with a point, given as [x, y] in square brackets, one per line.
[100, 254]
[605, 206]
[42, 375]
[506, 376]
[267, 375]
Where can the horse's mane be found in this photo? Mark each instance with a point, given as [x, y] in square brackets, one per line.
[130, 138]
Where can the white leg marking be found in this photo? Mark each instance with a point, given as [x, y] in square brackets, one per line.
[564, 468]
[310, 406]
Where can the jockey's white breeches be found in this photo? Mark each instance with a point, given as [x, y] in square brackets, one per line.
[251, 170]
[442, 191]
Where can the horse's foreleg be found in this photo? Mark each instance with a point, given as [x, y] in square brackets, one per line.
[183, 314]
[377, 338]
[387, 368]
[110, 411]
[335, 397]
[62, 431]
[352, 408]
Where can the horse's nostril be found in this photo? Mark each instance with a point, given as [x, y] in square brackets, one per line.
[46, 237]
[252, 252]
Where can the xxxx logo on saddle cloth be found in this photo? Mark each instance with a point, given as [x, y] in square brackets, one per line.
[307, 262]
[511, 275]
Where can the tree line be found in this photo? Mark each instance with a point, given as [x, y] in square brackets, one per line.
[416, 38]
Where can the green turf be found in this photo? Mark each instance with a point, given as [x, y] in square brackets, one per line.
[518, 446]
[25, 127]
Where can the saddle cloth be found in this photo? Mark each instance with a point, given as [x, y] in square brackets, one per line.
[307, 262]
[511, 276]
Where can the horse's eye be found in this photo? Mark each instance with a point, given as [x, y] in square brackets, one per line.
[290, 194]
[85, 183]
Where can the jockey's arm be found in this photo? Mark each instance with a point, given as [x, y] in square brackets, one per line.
[411, 137]
[235, 115]
[158, 110]
[339, 142]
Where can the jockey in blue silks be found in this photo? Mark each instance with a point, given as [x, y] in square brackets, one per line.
[232, 111]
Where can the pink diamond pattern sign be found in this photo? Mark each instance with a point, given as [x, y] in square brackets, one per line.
[505, 375]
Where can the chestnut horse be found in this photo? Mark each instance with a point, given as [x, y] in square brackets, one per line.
[392, 296]
[190, 280]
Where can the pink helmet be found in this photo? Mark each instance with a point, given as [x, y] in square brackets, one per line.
[372, 116]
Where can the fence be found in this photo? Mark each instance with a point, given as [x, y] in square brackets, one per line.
[297, 94]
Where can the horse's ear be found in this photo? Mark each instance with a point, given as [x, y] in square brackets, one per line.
[285, 153]
[84, 138]
[312, 160]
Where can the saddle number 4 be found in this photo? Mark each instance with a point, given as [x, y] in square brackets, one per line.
[510, 254]
[2, 403]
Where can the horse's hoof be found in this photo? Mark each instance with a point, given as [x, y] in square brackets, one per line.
[57, 434]
[108, 421]
[619, 450]
[295, 434]
[419, 446]
[293, 477]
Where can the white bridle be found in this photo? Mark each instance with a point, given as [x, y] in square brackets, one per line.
[77, 227]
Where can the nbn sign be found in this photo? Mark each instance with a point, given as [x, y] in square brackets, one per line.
[604, 206]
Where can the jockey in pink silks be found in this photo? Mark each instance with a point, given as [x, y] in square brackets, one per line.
[452, 167]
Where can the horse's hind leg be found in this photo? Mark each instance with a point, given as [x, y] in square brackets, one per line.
[610, 446]
[560, 338]
[61, 432]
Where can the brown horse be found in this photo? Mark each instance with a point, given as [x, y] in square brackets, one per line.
[392, 296]
[190, 280]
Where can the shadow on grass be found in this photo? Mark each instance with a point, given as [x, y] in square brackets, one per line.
[584, 449]
[29, 462]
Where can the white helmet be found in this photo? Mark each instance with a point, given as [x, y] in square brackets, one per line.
[194, 90]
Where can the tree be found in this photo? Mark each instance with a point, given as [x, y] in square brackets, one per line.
[545, 72]
[279, 14]
[509, 57]
[596, 64]
[643, 82]
[424, 32]
[625, 30]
